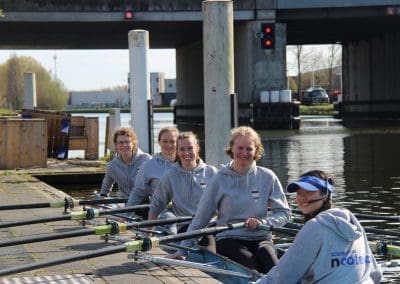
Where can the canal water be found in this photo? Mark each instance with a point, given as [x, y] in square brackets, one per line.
[364, 162]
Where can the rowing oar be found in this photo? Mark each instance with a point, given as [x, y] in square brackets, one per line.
[144, 244]
[367, 230]
[67, 202]
[112, 229]
[378, 246]
[88, 214]
[365, 216]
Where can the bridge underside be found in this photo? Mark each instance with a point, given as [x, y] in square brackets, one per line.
[370, 40]
[95, 35]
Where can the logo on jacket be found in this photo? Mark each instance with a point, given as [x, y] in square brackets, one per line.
[352, 258]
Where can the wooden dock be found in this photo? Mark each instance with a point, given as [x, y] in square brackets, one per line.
[18, 187]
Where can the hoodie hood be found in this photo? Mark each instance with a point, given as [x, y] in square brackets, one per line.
[342, 222]
[200, 167]
[227, 169]
[162, 160]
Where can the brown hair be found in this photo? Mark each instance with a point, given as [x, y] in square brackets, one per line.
[167, 129]
[328, 201]
[186, 135]
[127, 131]
[250, 133]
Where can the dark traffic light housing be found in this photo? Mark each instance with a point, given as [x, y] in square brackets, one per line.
[268, 35]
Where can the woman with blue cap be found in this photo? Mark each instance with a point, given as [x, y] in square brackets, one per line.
[331, 247]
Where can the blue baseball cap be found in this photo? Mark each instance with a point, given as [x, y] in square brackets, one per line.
[310, 183]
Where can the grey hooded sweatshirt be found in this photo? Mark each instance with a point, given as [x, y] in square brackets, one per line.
[122, 174]
[331, 248]
[184, 188]
[237, 197]
[148, 178]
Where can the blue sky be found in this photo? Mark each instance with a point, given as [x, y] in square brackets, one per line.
[83, 70]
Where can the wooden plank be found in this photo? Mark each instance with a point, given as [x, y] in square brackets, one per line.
[26, 137]
[39, 143]
[77, 126]
[78, 121]
[107, 138]
[18, 138]
[78, 143]
[13, 144]
[92, 134]
[3, 144]
[57, 141]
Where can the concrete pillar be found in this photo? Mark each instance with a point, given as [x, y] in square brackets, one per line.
[258, 69]
[29, 91]
[218, 77]
[371, 81]
[189, 72]
[140, 88]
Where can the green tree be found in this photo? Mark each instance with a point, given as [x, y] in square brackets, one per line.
[49, 92]
[15, 83]
[3, 96]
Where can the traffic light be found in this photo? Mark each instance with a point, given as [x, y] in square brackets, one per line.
[128, 15]
[268, 35]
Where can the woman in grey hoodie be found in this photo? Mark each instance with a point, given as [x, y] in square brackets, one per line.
[125, 165]
[331, 247]
[183, 183]
[151, 171]
[243, 192]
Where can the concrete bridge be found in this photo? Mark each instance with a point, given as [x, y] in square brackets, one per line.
[367, 29]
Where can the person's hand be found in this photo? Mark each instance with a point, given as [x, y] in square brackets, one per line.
[175, 256]
[252, 223]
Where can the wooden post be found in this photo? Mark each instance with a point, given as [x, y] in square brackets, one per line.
[107, 142]
[92, 133]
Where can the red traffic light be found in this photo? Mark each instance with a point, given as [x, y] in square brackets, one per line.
[268, 29]
[268, 35]
[128, 15]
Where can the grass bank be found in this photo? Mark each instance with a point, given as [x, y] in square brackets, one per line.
[7, 112]
[326, 109]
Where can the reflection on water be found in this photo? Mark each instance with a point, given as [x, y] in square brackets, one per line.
[363, 162]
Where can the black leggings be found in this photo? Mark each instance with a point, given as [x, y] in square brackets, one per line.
[257, 255]
[207, 242]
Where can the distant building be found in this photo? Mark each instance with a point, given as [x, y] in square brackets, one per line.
[98, 99]
[162, 91]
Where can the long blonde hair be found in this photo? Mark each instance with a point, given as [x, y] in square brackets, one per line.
[250, 133]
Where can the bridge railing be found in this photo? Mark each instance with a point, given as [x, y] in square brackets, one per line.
[112, 5]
